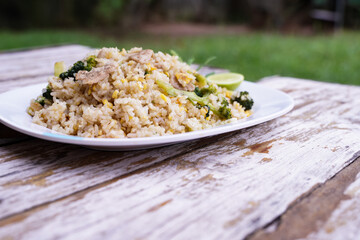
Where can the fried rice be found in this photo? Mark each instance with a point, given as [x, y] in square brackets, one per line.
[123, 96]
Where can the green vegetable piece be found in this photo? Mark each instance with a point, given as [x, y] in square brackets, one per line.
[208, 111]
[47, 93]
[198, 92]
[200, 79]
[244, 99]
[195, 99]
[167, 87]
[170, 90]
[46, 97]
[225, 110]
[59, 67]
[90, 63]
[78, 66]
[201, 92]
[40, 100]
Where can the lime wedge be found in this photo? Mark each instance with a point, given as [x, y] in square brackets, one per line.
[227, 80]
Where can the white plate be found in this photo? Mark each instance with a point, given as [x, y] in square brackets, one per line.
[269, 104]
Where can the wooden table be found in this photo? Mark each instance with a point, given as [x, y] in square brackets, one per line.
[295, 177]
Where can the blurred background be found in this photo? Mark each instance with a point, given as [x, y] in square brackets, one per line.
[314, 39]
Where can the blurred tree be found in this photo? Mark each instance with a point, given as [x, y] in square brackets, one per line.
[108, 11]
[237, 11]
[135, 13]
[206, 11]
[20, 14]
[278, 14]
[352, 16]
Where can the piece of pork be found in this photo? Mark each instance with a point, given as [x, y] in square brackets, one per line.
[102, 53]
[143, 56]
[96, 74]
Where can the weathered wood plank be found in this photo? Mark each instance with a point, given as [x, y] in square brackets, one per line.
[312, 215]
[41, 167]
[40, 62]
[223, 190]
[38, 53]
[12, 84]
[344, 221]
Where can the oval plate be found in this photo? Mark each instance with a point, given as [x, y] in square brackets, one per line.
[269, 104]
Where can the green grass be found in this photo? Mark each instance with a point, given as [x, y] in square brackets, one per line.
[330, 58]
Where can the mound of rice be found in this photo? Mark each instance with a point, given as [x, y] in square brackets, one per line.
[120, 98]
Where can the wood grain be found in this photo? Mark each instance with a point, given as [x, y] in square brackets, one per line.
[225, 189]
[40, 167]
[344, 220]
[313, 215]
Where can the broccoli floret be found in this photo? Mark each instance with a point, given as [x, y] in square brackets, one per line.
[244, 99]
[40, 100]
[201, 92]
[223, 111]
[90, 63]
[46, 94]
[78, 66]
[46, 97]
